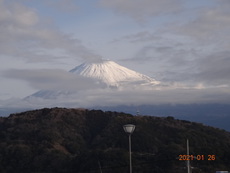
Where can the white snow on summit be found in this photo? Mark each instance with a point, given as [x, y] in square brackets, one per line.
[112, 74]
[97, 76]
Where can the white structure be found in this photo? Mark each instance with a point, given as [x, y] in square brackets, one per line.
[129, 129]
[188, 162]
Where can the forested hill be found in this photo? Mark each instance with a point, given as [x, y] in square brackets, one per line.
[80, 140]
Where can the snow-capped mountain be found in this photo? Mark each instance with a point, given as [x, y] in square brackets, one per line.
[101, 75]
[112, 74]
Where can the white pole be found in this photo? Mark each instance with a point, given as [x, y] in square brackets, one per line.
[129, 128]
[188, 162]
[130, 154]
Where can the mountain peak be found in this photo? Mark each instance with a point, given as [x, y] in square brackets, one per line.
[112, 74]
[107, 73]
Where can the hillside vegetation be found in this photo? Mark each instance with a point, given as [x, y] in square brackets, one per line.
[93, 141]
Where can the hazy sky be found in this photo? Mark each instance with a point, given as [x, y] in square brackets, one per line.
[184, 43]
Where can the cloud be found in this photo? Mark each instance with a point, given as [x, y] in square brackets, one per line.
[109, 97]
[195, 50]
[214, 69]
[66, 6]
[143, 9]
[189, 54]
[188, 65]
[170, 59]
[143, 36]
[209, 32]
[55, 79]
[185, 64]
[26, 35]
[61, 88]
[210, 25]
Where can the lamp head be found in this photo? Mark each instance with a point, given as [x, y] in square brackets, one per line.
[129, 128]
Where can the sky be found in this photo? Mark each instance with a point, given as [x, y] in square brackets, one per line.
[182, 43]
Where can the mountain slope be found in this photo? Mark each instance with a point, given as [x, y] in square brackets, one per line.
[112, 74]
[104, 74]
[79, 140]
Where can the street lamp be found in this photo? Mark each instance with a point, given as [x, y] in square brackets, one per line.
[129, 128]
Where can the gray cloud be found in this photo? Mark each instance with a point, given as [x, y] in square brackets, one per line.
[66, 6]
[210, 25]
[47, 79]
[192, 56]
[185, 63]
[26, 35]
[192, 51]
[143, 9]
[84, 92]
[174, 61]
[143, 36]
[108, 97]
[214, 69]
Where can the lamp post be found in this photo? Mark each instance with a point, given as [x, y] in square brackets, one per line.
[129, 129]
[188, 163]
